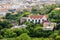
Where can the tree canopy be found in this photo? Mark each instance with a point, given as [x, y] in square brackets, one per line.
[55, 15]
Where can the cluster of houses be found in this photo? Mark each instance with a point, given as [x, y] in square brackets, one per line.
[15, 5]
[41, 19]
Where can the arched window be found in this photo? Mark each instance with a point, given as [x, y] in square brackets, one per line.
[39, 21]
[28, 19]
[35, 21]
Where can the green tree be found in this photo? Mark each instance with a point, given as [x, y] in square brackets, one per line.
[55, 15]
[35, 11]
[20, 31]
[8, 15]
[42, 33]
[7, 33]
[57, 37]
[1, 36]
[58, 27]
[5, 24]
[23, 36]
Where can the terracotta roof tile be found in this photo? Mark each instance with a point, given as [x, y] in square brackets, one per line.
[37, 16]
[5, 7]
[7, 4]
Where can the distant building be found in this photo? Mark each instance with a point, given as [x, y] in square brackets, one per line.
[7, 8]
[22, 20]
[37, 18]
[2, 14]
[49, 26]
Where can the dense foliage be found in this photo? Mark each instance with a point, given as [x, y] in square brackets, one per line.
[32, 31]
[5, 24]
[55, 16]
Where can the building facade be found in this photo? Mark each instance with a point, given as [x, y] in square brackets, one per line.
[37, 18]
[49, 25]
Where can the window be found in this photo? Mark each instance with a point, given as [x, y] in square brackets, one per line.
[42, 19]
[49, 25]
[35, 21]
[28, 19]
[39, 21]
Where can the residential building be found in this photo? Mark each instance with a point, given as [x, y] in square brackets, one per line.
[37, 18]
[49, 26]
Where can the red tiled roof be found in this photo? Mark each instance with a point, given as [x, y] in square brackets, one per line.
[5, 7]
[37, 16]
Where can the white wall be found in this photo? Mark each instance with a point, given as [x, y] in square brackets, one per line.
[34, 20]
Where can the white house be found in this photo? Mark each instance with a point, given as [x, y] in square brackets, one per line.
[37, 18]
